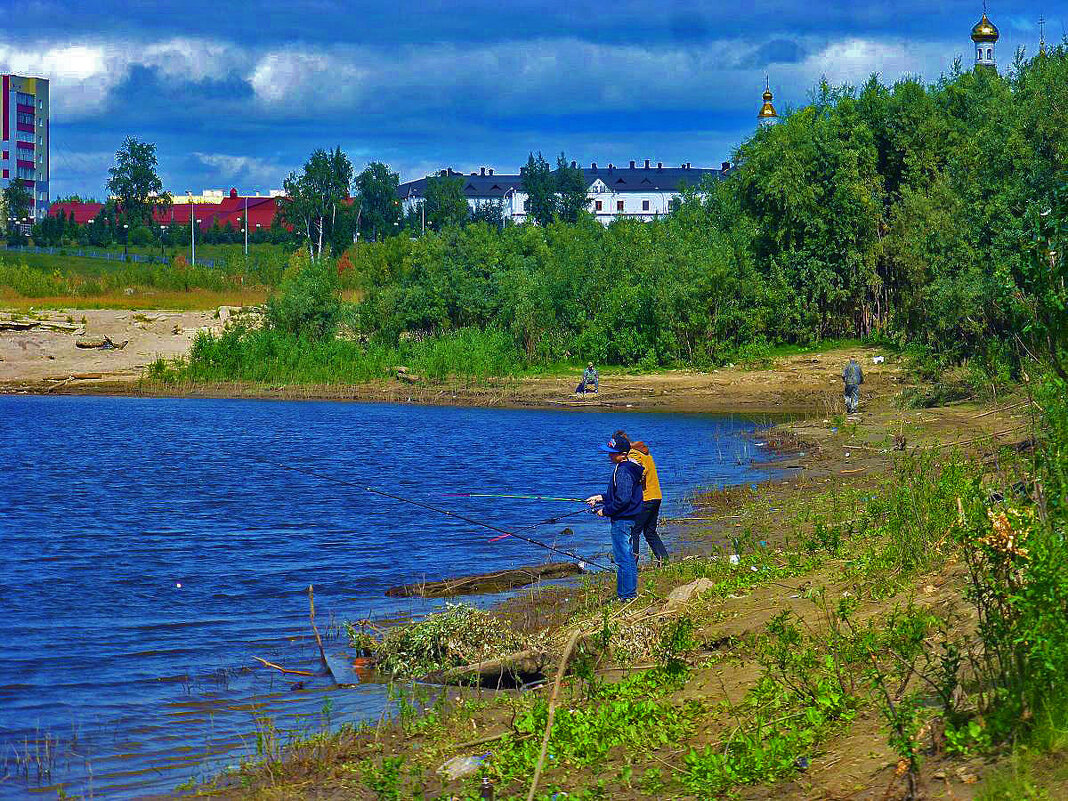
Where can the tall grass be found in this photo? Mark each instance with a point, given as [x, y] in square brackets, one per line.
[36, 282]
[270, 356]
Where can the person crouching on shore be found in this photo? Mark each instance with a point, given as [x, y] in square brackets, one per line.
[622, 506]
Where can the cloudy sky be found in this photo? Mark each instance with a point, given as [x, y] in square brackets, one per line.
[237, 94]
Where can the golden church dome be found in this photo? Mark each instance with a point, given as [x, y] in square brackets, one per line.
[985, 31]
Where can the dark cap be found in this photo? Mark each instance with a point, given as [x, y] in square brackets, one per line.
[618, 444]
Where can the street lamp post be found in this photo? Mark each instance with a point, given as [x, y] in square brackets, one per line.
[125, 241]
[246, 229]
[162, 258]
[192, 235]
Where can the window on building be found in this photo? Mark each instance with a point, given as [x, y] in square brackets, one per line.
[619, 205]
[5, 174]
[598, 205]
[25, 119]
[23, 99]
[989, 54]
[24, 136]
[645, 205]
[5, 155]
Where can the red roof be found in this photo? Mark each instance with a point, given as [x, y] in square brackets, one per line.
[83, 212]
[261, 212]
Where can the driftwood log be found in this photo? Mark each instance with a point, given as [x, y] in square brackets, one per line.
[104, 343]
[508, 671]
[497, 581]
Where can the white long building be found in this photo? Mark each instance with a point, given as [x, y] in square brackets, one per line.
[642, 191]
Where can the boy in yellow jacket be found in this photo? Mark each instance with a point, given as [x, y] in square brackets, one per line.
[652, 497]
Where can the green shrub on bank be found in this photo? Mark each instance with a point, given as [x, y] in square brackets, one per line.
[307, 302]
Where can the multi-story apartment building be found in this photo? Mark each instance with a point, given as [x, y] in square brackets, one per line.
[24, 148]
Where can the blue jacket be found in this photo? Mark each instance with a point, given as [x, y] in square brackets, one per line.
[623, 500]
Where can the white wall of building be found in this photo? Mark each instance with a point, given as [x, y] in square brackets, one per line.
[604, 204]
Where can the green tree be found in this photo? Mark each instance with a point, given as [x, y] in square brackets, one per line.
[314, 195]
[571, 189]
[540, 186]
[490, 212]
[134, 182]
[379, 209]
[17, 200]
[445, 203]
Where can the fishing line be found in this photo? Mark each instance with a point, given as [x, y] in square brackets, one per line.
[548, 522]
[523, 497]
[570, 555]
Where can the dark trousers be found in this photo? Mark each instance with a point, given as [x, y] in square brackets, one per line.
[646, 524]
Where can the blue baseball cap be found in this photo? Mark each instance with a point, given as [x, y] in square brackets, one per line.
[617, 444]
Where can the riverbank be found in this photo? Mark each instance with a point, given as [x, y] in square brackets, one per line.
[45, 359]
[756, 682]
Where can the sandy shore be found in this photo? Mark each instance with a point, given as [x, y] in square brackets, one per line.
[38, 358]
[44, 360]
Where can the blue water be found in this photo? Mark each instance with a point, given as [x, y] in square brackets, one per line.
[149, 553]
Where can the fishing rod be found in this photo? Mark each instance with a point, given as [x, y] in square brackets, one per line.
[524, 497]
[437, 509]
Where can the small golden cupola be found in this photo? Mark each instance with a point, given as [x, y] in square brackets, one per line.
[768, 115]
[985, 35]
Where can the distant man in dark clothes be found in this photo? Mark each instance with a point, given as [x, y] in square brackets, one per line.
[622, 505]
[590, 381]
[652, 497]
[853, 378]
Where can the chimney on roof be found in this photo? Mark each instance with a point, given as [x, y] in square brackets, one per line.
[660, 165]
[632, 163]
[593, 166]
[647, 164]
[482, 171]
[491, 170]
[233, 191]
[611, 166]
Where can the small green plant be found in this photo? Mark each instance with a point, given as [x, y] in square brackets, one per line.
[967, 739]
[383, 778]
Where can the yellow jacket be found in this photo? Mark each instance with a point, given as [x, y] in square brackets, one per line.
[639, 454]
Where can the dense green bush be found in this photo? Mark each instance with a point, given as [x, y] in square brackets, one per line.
[307, 303]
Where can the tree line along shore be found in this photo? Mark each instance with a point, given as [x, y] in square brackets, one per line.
[923, 217]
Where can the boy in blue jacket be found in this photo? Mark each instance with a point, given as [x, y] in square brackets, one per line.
[622, 505]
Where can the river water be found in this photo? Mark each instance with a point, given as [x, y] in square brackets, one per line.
[151, 550]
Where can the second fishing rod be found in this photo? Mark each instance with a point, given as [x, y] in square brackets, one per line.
[538, 543]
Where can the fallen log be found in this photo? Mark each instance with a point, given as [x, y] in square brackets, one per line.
[508, 671]
[497, 581]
